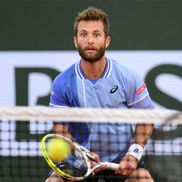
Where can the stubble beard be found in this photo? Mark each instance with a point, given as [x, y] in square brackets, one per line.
[91, 58]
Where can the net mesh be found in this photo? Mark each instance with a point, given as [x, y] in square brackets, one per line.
[22, 128]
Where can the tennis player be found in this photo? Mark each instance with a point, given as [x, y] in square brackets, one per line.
[97, 81]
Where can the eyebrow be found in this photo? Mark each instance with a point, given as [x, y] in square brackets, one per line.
[95, 31]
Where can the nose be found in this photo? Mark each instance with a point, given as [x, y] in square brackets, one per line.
[90, 39]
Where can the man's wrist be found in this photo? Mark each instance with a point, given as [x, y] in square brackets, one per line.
[136, 151]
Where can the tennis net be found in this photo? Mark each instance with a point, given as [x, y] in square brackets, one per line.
[21, 130]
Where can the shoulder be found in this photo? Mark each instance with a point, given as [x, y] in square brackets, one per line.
[65, 75]
[124, 71]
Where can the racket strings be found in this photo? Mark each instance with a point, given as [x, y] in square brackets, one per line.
[72, 170]
[74, 165]
[77, 163]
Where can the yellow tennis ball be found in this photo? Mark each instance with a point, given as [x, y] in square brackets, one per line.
[58, 149]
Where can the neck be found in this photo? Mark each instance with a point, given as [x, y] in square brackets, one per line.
[93, 70]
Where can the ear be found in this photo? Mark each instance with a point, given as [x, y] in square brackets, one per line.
[108, 40]
[75, 41]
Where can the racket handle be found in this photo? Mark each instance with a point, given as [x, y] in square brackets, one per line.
[113, 166]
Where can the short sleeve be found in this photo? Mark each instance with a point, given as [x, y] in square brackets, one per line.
[58, 94]
[137, 95]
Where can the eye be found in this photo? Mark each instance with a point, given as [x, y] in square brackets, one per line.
[96, 35]
[83, 35]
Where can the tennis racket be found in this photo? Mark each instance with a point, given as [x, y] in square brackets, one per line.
[77, 165]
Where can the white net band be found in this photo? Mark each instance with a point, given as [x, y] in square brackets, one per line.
[43, 113]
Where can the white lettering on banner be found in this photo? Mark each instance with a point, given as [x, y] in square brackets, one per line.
[39, 85]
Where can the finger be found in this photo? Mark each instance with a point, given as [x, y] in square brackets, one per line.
[121, 172]
[101, 168]
[125, 171]
[92, 163]
[98, 169]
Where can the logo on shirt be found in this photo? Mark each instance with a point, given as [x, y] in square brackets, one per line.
[115, 87]
[141, 89]
[136, 150]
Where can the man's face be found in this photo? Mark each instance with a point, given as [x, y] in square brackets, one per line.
[91, 41]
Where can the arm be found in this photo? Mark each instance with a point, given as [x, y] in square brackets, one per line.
[61, 129]
[58, 99]
[142, 133]
[137, 96]
[129, 163]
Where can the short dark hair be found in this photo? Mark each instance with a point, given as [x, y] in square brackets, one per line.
[92, 14]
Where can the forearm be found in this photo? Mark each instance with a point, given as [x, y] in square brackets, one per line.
[61, 129]
[142, 133]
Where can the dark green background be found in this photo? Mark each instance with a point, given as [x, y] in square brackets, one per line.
[48, 25]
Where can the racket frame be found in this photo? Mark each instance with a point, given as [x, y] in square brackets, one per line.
[84, 152]
[54, 167]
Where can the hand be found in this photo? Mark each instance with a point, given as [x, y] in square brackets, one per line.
[127, 165]
[97, 160]
[93, 163]
[95, 157]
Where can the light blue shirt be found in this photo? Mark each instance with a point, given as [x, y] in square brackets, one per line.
[118, 87]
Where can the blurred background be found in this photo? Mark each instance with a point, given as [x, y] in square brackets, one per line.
[48, 24]
[36, 44]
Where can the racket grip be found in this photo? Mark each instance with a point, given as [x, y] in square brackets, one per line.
[113, 166]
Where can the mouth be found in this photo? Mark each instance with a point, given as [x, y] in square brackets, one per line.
[90, 49]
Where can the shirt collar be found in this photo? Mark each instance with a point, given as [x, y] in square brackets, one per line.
[105, 74]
